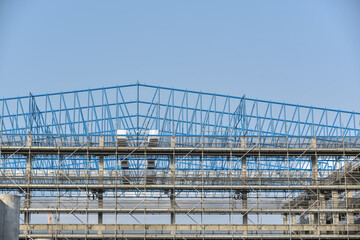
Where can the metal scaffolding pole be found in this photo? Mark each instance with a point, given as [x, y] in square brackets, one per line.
[244, 194]
[100, 191]
[27, 216]
[101, 181]
[172, 191]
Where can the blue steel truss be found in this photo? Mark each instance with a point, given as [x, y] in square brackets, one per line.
[177, 112]
[77, 116]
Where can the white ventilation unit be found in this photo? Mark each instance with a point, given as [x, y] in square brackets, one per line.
[121, 137]
[153, 138]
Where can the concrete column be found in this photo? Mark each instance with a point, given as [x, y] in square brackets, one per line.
[172, 193]
[28, 180]
[302, 220]
[100, 192]
[101, 141]
[314, 217]
[322, 215]
[292, 222]
[29, 141]
[293, 219]
[285, 221]
[335, 205]
[314, 169]
[9, 216]
[27, 190]
[244, 193]
[2, 220]
[322, 206]
[350, 216]
[313, 142]
[243, 142]
[172, 141]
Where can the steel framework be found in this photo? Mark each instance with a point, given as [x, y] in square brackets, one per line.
[146, 162]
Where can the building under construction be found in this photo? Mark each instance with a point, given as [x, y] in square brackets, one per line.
[146, 162]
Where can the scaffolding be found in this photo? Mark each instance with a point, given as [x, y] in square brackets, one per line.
[146, 162]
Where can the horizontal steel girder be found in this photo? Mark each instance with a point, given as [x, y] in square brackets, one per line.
[185, 210]
[236, 152]
[179, 187]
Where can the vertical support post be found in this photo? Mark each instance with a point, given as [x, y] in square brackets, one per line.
[28, 182]
[314, 169]
[244, 193]
[172, 141]
[243, 142]
[29, 141]
[27, 191]
[322, 215]
[172, 193]
[302, 222]
[101, 141]
[313, 143]
[101, 182]
[285, 222]
[335, 216]
[322, 206]
[100, 191]
[293, 222]
[350, 215]
[313, 217]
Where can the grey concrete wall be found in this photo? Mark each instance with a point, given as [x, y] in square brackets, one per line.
[9, 216]
[2, 214]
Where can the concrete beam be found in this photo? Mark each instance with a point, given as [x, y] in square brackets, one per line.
[188, 210]
[193, 236]
[182, 187]
[189, 227]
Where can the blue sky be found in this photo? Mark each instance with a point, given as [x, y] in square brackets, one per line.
[305, 52]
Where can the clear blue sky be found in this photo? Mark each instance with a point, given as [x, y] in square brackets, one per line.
[305, 52]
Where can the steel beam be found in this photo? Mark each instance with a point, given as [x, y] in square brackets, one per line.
[167, 151]
[188, 210]
[180, 187]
